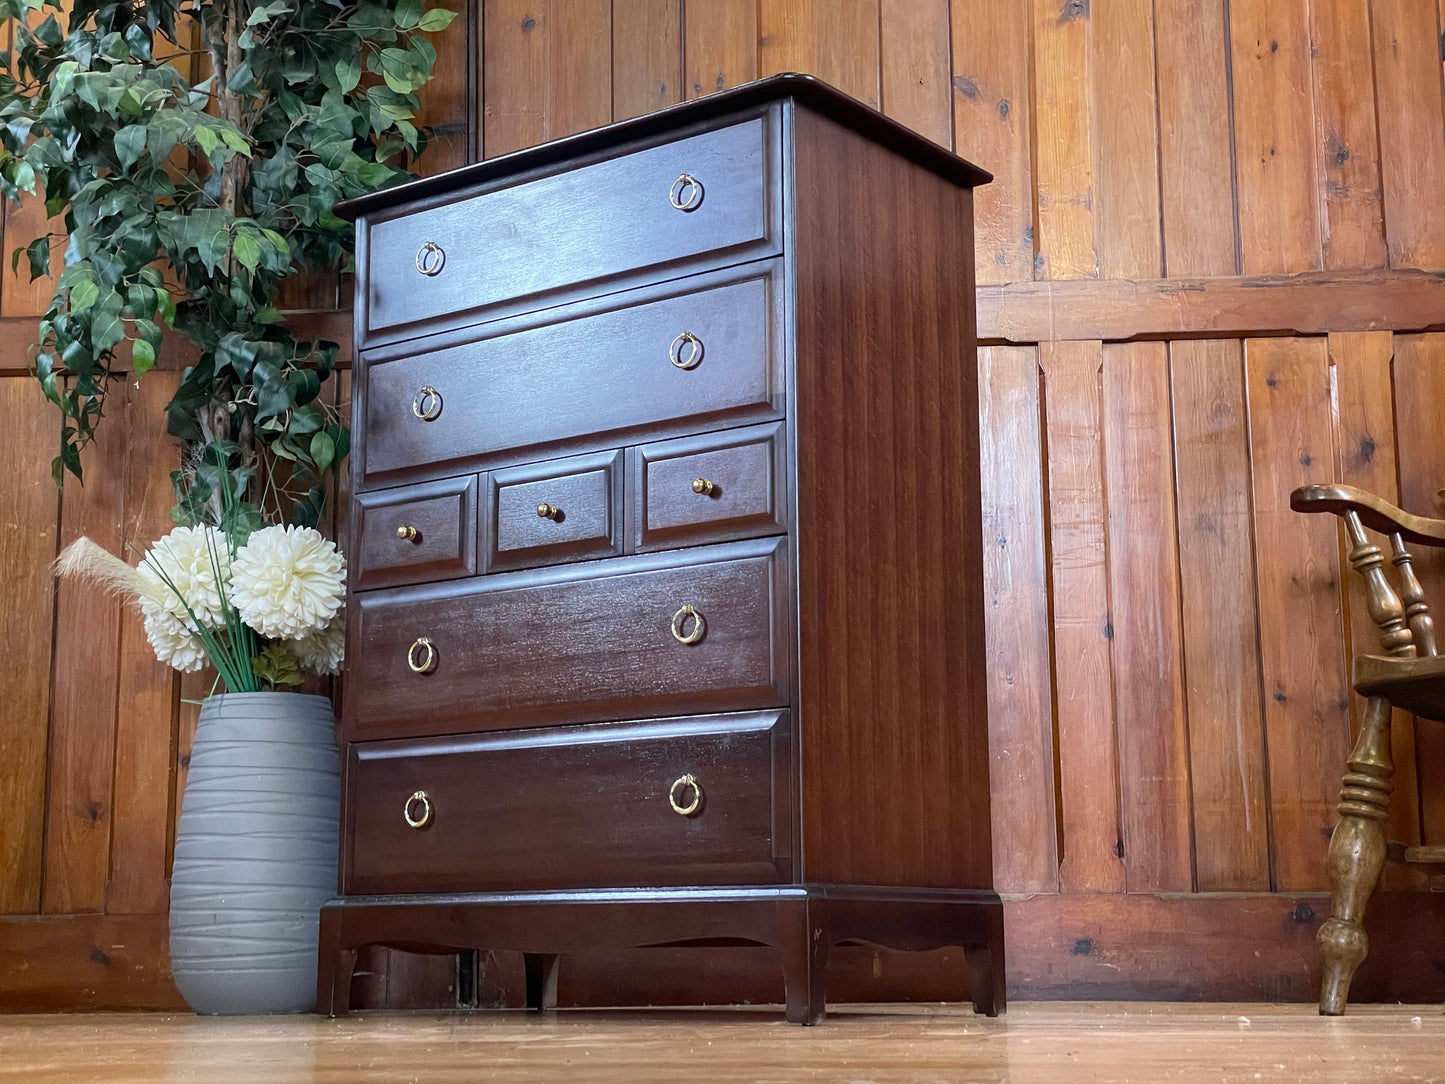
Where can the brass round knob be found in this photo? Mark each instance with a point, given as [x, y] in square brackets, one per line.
[430, 259]
[680, 631]
[423, 810]
[421, 656]
[549, 511]
[407, 534]
[686, 351]
[426, 404]
[685, 193]
[678, 791]
[704, 487]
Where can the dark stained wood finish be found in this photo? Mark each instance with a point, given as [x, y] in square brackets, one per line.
[745, 496]
[888, 530]
[528, 240]
[574, 644]
[795, 920]
[596, 379]
[443, 516]
[575, 807]
[583, 498]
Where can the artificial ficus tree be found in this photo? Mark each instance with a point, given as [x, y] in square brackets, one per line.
[183, 205]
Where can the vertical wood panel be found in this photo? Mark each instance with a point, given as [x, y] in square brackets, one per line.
[914, 58]
[1346, 143]
[1419, 372]
[446, 100]
[720, 44]
[836, 40]
[547, 71]
[1144, 619]
[1219, 606]
[24, 222]
[1366, 444]
[1015, 571]
[1279, 225]
[1083, 693]
[1195, 154]
[1126, 183]
[29, 510]
[1063, 143]
[1412, 130]
[87, 642]
[646, 56]
[146, 698]
[991, 109]
[1307, 723]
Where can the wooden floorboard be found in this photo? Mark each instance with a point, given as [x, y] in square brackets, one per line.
[1033, 1042]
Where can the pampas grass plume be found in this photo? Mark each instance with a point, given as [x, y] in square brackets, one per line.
[89, 561]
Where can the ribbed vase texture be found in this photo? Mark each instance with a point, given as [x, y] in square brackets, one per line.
[255, 856]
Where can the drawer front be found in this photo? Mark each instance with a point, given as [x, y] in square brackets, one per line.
[577, 644]
[564, 510]
[415, 534]
[575, 228]
[596, 378]
[574, 806]
[710, 488]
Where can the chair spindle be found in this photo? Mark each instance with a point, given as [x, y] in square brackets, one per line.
[1417, 613]
[1383, 605]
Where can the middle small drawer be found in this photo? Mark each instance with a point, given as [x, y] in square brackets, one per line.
[554, 512]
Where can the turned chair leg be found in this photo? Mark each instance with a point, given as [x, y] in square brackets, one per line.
[1357, 854]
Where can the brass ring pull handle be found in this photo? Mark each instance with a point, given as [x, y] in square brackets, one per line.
[426, 404]
[685, 193]
[680, 787]
[430, 259]
[704, 487]
[692, 345]
[422, 803]
[549, 511]
[679, 625]
[408, 534]
[421, 657]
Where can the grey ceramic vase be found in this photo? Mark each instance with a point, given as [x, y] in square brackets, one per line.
[255, 855]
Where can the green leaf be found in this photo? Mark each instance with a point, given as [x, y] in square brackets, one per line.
[130, 144]
[38, 252]
[247, 250]
[323, 450]
[348, 73]
[435, 20]
[407, 14]
[83, 296]
[143, 356]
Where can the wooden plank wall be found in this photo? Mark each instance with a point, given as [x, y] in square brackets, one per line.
[1210, 269]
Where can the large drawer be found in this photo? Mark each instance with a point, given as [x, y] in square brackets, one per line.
[584, 226]
[595, 379]
[613, 639]
[668, 802]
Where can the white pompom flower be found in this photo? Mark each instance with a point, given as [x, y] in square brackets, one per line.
[287, 581]
[322, 652]
[174, 642]
[185, 574]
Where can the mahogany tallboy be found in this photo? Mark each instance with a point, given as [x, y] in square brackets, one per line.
[666, 610]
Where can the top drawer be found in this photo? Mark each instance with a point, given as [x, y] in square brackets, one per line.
[600, 221]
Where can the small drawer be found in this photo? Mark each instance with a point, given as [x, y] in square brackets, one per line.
[692, 801]
[549, 513]
[693, 630]
[706, 194]
[415, 534]
[710, 488]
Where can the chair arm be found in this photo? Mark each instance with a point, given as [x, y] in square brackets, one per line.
[1378, 515]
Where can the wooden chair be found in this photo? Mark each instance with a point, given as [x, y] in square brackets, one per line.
[1409, 675]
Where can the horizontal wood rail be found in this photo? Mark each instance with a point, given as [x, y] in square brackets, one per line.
[1111, 310]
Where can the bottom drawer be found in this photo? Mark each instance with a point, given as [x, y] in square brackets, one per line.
[691, 801]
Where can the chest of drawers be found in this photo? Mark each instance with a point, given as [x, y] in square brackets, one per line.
[666, 610]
